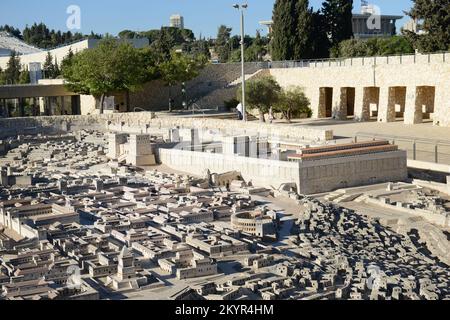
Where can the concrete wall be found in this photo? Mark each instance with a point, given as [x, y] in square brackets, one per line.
[410, 72]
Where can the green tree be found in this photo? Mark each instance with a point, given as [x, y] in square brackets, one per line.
[292, 101]
[49, 68]
[223, 44]
[25, 77]
[284, 30]
[261, 94]
[40, 36]
[128, 34]
[109, 68]
[13, 68]
[320, 43]
[2, 77]
[257, 50]
[338, 16]
[434, 18]
[303, 42]
[12, 31]
[180, 68]
[373, 47]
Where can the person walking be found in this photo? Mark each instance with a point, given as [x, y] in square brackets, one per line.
[271, 116]
[240, 111]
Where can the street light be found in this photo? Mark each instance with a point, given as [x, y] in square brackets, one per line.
[242, 8]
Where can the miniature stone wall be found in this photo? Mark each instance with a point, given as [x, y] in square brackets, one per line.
[345, 172]
[260, 171]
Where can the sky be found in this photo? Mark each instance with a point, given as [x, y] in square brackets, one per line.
[113, 16]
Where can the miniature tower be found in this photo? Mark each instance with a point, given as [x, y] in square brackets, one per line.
[126, 269]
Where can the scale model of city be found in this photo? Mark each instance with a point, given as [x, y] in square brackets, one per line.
[107, 195]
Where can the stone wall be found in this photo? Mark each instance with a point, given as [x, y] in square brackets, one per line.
[383, 74]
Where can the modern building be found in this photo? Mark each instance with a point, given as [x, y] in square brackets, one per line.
[371, 23]
[368, 23]
[177, 21]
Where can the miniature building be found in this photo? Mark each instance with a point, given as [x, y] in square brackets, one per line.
[254, 223]
[137, 151]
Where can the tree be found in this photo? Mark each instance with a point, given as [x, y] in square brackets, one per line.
[223, 45]
[303, 41]
[2, 77]
[109, 68]
[25, 77]
[257, 50]
[373, 47]
[13, 68]
[40, 36]
[338, 16]
[284, 29]
[434, 18]
[261, 94]
[180, 68]
[298, 31]
[50, 69]
[12, 31]
[320, 43]
[292, 101]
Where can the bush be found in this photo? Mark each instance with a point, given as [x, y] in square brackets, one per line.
[372, 47]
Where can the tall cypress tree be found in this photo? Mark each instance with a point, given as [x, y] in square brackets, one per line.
[338, 16]
[303, 38]
[49, 67]
[320, 41]
[13, 68]
[284, 32]
[435, 18]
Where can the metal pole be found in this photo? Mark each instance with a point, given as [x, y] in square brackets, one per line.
[244, 109]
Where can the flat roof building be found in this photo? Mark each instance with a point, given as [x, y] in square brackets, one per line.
[177, 21]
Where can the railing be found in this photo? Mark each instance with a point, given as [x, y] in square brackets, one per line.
[439, 57]
[420, 149]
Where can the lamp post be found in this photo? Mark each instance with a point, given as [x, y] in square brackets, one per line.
[242, 8]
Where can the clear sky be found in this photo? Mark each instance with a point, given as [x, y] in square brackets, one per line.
[113, 16]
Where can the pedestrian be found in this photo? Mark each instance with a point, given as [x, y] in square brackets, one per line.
[271, 116]
[240, 111]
